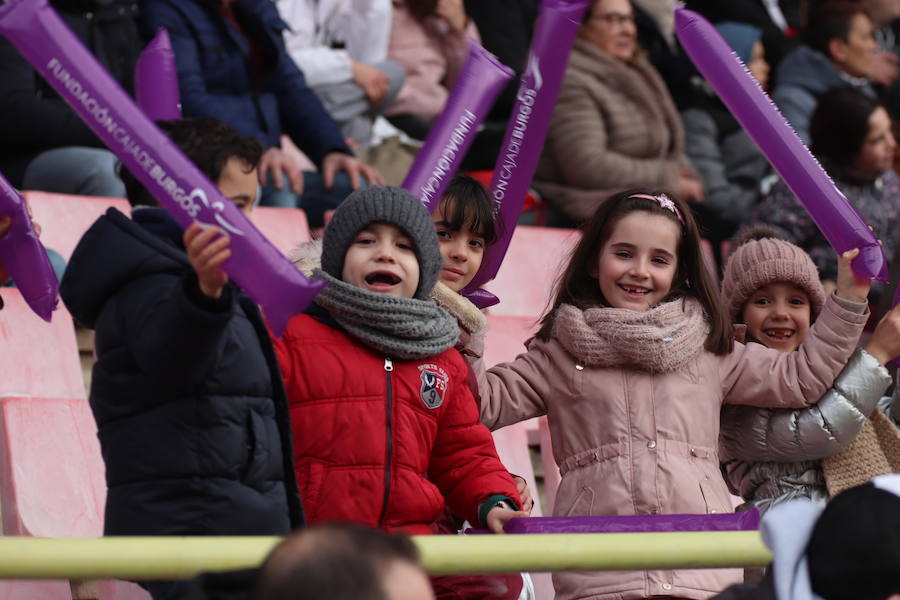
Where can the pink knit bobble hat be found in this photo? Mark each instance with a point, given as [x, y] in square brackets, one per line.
[759, 262]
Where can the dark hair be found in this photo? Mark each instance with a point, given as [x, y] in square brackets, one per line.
[338, 561]
[576, 286]
[208, 142]
[467, 202]
[421, 9]
[840, 124]
[828, 21]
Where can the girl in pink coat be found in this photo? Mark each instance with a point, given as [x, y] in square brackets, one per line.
[632, 365]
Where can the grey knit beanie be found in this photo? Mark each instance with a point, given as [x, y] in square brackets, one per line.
[759, 262]
[392, 205]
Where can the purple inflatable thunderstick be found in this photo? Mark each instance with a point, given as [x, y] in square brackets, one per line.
[179, 186]
[24, 257]
[741, 521]
[156, 79]
[554, 34]
[476, 88]
[839, 222]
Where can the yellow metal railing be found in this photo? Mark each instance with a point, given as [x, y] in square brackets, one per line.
[148, 558]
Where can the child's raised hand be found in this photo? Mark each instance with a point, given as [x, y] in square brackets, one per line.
[498, 516]
[851, 286]
[207, 249]
[885, 341]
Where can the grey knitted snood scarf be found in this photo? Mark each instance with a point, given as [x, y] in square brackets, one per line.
[403, 328]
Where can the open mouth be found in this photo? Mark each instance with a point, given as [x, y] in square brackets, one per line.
[380, 278]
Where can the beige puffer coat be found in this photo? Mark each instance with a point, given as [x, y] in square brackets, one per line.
[630, 442]
[614, 127]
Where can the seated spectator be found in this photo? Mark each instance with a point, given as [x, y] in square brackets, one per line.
[190, 407]
[430, 38]
[232, 65]
[341, 47]
[655, 23]
[729, 163]
[885, 16]
[840, 51]
[851, 137]
[45, 145]
[779, 20]
[343, 561]
[615, 125]
[847, 551]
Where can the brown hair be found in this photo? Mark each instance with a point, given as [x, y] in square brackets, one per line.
[831, 20]
[576, 286]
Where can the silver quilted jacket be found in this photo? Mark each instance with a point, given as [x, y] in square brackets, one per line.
[769, 455]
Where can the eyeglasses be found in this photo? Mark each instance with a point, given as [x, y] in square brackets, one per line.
[616, 19]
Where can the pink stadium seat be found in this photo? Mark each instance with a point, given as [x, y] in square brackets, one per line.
[506, 340]
[52, 483]
[51, 471]
[536, 257]
[64, 218]
[286, 228]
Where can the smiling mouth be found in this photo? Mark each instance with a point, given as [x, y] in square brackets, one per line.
[630, 289]
[382, 278]
[779, 334]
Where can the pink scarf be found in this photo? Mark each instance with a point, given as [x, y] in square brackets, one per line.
[662, 339]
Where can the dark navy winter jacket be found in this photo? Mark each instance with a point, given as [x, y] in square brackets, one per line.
[215, 78]
[189, 403]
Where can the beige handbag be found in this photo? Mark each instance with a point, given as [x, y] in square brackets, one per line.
[874, 451]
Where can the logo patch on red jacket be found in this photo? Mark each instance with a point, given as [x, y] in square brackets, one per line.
[434, 384]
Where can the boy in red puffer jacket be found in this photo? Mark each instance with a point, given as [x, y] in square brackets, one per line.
[384, 424]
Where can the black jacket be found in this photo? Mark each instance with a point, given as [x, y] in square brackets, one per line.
[33, 118]
[189, 403]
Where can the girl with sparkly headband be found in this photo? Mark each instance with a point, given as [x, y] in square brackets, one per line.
[632, 364]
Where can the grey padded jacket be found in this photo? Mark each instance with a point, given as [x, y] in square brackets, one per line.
[769, 455]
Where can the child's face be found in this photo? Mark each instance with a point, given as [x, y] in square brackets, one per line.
[638, 262]
[382, 259]
[777, 316]
[461, 251]
[239, 185]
